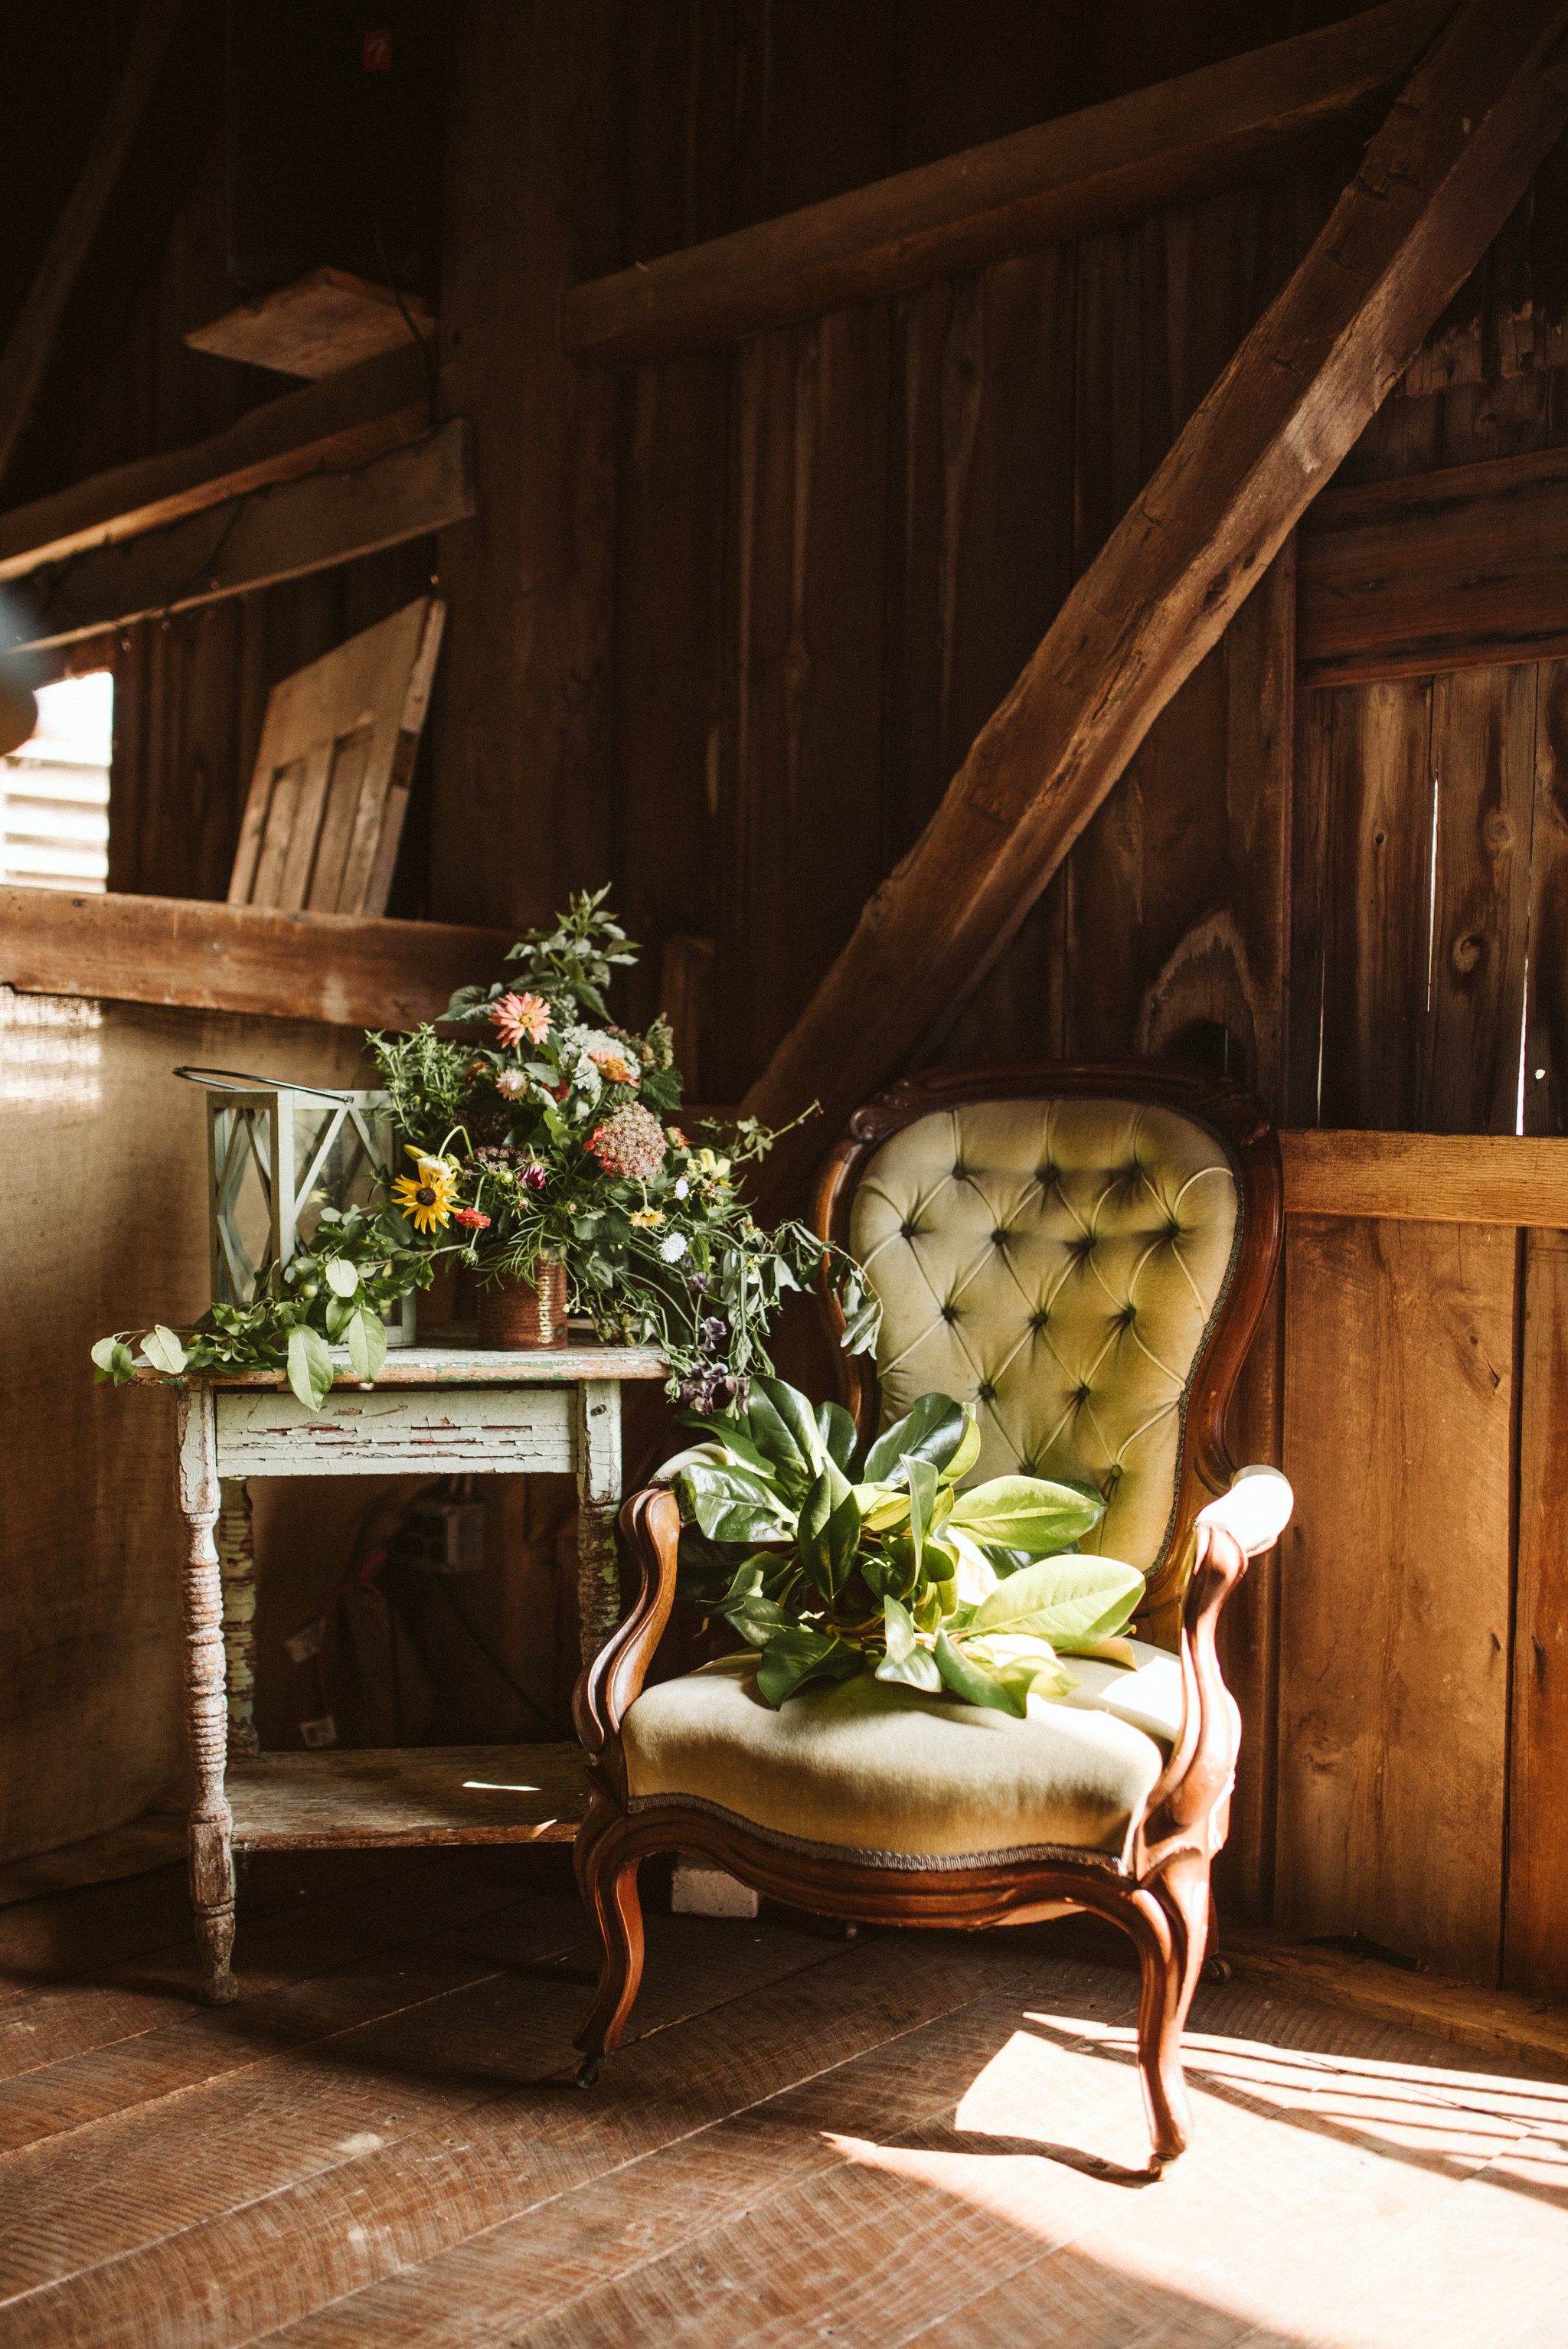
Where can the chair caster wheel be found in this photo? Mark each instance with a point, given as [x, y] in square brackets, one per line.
[588, 2070]
[1215, 1970]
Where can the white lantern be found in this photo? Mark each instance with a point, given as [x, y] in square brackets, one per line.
[276, 1155]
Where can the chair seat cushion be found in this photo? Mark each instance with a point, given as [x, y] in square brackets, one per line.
[897, 1777]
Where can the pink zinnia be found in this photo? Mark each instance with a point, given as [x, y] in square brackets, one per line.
[630, 1145]
[517, 1016]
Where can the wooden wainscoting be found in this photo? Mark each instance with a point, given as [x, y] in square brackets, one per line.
[1422, 1587]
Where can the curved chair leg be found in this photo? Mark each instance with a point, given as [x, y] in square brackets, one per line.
[607, 1880]
[1175, 1907]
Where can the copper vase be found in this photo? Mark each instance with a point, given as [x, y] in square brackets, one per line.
[518, 1317]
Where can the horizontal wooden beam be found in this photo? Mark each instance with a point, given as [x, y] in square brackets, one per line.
[273, 534]
[348, 970]
[1424, 1178]
[1133, 155]
[330, 425]
[1459, 569]
[1432, 1179]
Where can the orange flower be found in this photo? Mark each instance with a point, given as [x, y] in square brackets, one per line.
[517, 1016]
[613, 1067]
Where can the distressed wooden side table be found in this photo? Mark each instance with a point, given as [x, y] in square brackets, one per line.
[434, 1409]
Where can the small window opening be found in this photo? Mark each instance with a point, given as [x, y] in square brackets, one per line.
[53, 790]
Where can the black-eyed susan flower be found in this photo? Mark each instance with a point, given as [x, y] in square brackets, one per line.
[425, 1199]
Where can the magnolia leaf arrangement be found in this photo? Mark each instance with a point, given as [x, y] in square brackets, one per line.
[835, 1559]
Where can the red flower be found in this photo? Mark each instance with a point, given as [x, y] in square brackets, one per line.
[471, 1217]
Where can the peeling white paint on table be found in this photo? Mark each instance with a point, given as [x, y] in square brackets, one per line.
[433, 1411]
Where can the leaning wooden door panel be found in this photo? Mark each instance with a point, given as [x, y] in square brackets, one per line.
[1535, 1948]
[332, 777]
[1394, 1628]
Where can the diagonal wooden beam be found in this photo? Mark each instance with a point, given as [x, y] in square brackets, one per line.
[1479, 112]
[280, 532]
[31, 345]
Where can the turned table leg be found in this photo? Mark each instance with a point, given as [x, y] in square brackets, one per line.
[237, 1565]
[206, 1725]
[598, 1505]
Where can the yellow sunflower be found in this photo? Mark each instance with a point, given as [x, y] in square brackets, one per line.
[426, 1199]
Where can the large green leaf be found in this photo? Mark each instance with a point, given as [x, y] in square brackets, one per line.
[1067, 1600]
[980, 1682]
[882, 1507]
[968, 1451]
[906, 1660]
[1026, 1513]
[784, 1426]
[758, 1619]
[794, 1656]
[341, 1277]
[310, 1367]
[732, 1433]
[1032, 1660]
[367, 1342]
[837, 1431]
[733, 1504]
[921, 1477]
[933, 1431]
[830, 1531]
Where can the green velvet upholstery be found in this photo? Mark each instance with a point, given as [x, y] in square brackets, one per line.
[891, 1774]
[1055, 1263]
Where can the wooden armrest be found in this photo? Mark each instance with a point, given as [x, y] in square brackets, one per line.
[1257, 1509]
[612, 1683]
[1189, 1805]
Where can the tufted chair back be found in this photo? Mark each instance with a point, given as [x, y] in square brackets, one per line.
[1059, 1254]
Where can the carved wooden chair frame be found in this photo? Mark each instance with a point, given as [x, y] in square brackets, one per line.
[1161, 1899]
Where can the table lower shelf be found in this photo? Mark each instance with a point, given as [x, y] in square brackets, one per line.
[407, 1794]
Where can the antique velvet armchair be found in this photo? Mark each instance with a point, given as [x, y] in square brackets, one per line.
[1083, 1254]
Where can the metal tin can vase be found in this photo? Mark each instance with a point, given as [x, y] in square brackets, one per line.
[518, 1317]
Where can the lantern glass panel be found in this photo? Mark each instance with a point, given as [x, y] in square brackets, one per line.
[277, 1155]
[338, 1153]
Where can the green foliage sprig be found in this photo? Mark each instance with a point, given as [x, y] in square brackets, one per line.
[834, 1558]
[335, 1293]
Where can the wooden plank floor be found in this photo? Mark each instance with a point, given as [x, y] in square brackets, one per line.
[931, 2138]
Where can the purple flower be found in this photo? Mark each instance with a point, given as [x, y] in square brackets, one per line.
[535, 1177]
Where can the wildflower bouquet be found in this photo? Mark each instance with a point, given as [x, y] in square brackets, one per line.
[834, 1558]
[548, 1135]
[542, 1135]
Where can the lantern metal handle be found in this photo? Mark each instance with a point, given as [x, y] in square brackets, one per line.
[235, 1080]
